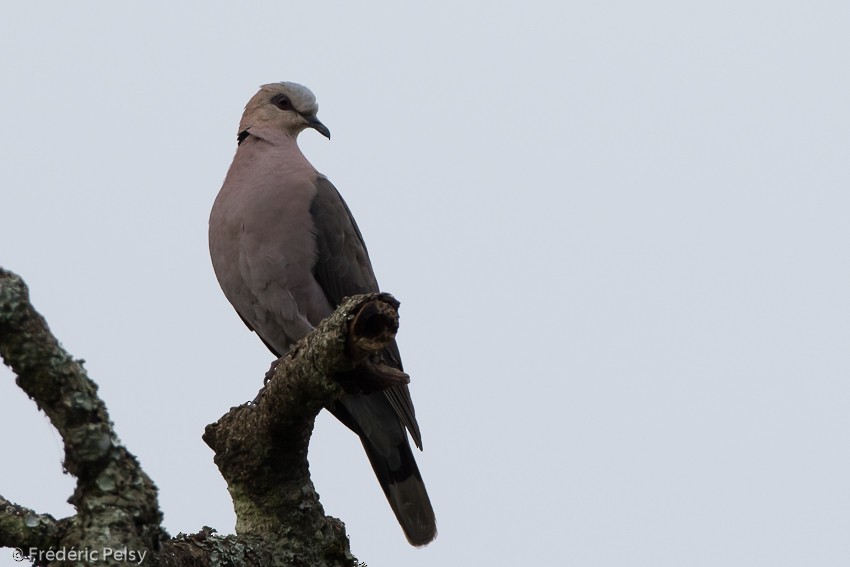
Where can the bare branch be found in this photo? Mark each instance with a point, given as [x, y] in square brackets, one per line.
[261, 448]
[112, 490]
[24, 528]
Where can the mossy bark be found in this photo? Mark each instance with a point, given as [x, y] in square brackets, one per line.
[260, 449]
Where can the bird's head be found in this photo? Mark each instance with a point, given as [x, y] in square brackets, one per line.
[285, 107]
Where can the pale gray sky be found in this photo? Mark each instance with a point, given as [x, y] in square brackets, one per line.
[618, 230]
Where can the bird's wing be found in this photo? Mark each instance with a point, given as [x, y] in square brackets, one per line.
[343, 269]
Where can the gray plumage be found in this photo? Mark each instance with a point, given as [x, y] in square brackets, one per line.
[286, 251]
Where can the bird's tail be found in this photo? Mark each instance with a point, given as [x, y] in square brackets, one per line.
[405, 491]
[385, 441]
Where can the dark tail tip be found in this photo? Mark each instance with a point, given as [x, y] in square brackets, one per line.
[409, 500]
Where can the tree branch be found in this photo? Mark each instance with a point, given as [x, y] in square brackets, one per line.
[24, 528]
[261, 447]
[115, 500]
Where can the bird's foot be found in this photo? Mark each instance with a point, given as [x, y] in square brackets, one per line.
[270, 373]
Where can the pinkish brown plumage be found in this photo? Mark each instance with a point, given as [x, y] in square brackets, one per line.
[286, 250]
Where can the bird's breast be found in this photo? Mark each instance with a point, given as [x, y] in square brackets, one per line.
[263, 248]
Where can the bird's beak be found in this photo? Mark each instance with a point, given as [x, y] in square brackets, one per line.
[317, 126]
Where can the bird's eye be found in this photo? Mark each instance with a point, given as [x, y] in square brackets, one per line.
[282, 102]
